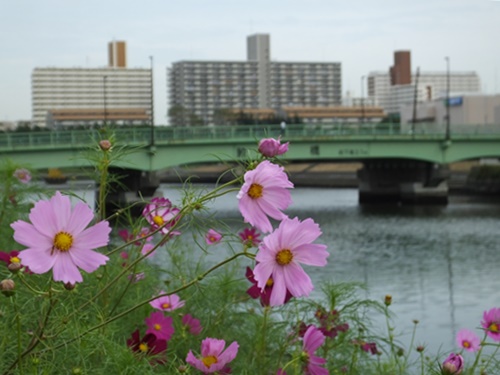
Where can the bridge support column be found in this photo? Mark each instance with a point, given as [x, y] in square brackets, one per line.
[402, 181]
[131, 185]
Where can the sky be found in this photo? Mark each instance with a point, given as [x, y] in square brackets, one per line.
[360, 34]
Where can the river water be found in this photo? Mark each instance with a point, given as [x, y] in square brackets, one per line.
[440, 264]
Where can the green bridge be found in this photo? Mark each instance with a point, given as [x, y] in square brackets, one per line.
[397, 167]
[169, 146]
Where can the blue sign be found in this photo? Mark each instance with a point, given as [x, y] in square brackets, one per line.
[455, 102]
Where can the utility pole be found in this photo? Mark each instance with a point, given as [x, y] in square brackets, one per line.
[104, 79]
[414, 117]
[152, 107]
[363, 99]
[448, 135]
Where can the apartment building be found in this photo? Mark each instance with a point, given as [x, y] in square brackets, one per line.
[199, 89]
[85, 96]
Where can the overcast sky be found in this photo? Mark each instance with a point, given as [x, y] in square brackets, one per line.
[360, 34]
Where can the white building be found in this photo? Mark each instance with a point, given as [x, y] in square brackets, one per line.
[82, 96]
[198, 89]
[477, 112]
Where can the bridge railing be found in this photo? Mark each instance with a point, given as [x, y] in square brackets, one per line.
[165, 134]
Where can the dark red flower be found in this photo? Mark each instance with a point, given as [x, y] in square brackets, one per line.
[265, 295]
[11, 257]
[148, 345]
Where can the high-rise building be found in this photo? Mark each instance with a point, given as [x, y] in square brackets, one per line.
[391, 90]
[117, 54]
[199, 90]
[84, 96]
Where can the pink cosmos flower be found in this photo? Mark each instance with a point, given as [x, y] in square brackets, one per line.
[58, 240]
[313, 339]
[270, 147]
[192, 324]
[250, 237]
[160, 325]
[491, 323]
[167, 303]
[453, 365]
[212, 237]
[23, 175]
[468, 340]
[280, 255]
[160, 213]
[146, 250]
[264, 294]
[213, 356]
[264, 194]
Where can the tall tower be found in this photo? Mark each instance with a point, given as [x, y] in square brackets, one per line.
[400, 72]
[259, 49]
[117, 54]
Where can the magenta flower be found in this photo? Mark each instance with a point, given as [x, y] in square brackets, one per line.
[212, 237]
[313, 339]
[453, 365]
[468, 340]
[58, 240]
[250, 237]
[491, 323]
[160, 213]
[280, 255]
[213, 356]
[160, 325]
[264, 294]
[167, 303]
[270, 147]
[191, 324]
[127, 236]
[23, 175]
[148, 345]
[264, 194]
[12, 257]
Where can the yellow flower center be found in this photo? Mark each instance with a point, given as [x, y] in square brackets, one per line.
[157, 327]
[284, 257]
[165, 305]
[466, 344]
[270, 282]
[63, 241]
[255, 191]
[158, 220]
[209, 361]
[15, 260]
[250, 237]
[143, 347]
[213, 239]
[494, 327]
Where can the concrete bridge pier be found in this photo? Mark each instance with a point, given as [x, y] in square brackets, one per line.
[131, 185]
[402, 181]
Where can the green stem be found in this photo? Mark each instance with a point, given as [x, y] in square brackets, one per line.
[103, 186]
[478, 355]
[19, 344]
[140, 304]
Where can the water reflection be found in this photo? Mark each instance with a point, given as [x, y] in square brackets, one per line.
[439, 263]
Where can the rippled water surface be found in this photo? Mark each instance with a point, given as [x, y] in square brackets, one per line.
[440, 264]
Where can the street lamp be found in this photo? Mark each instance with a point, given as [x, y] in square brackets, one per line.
[447, 98]
[104, 79]
[363, 99]
[152, 106]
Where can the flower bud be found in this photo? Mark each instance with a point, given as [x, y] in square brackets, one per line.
[7, 287]
[453, 365]
[105, 145]
[388, 300]
[182, 369]
[420, 348]
[14, 267]
[69, 286]
[270, 147]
